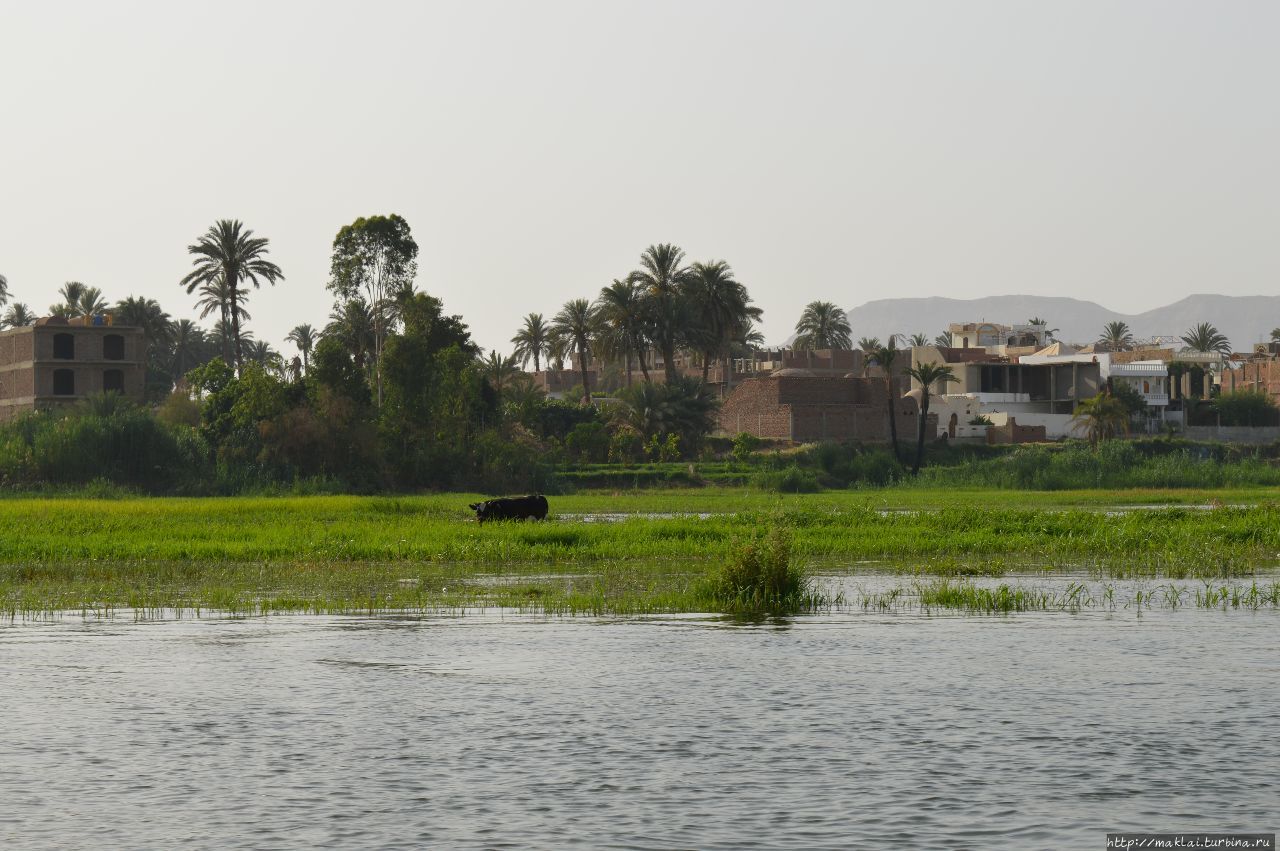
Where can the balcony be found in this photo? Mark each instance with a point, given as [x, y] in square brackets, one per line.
[1156, 400]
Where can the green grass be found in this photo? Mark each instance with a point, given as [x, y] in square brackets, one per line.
[351, 554]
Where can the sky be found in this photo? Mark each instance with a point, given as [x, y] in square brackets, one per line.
[1122, 152]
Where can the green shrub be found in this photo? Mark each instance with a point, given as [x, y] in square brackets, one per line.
[788, 480]
[744, 445]
[762, 575]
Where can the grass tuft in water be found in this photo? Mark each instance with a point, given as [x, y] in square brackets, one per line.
[763, 575]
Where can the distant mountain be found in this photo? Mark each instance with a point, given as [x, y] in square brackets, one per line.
[1244, 319]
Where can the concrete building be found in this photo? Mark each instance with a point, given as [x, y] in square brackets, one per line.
[996, 386]
[995, 338]
[56, 362]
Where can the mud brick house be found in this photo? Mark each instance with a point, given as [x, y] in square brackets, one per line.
[56, 362]
[793, 404]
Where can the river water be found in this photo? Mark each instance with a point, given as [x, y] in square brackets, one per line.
[875, 730]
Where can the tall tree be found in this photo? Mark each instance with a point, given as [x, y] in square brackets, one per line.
[531, 341]
[1103, 416]
[919, 339]
[70, 304]
[352, 325]
[187, 348]
[499, 369]
[927, 374]
[147, 314]
[1206, 338]
[375, 257]
[214, 295]
[4, 290]
[1117, 337]
[577, 323]
[229, 251]
[664, 276]
[18, 316]
[718, 305]
[304, 337]
[885, 356]
[624, 319]
[822, 325]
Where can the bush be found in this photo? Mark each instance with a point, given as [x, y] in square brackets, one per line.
[789, 480]
[1245, 408]
[761, 575]
[744, 445]
[588, 442]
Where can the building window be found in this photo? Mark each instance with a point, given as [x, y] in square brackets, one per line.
[64, 346]
[113, 347]
[113, 379]
[1146, 387]
[64, 382]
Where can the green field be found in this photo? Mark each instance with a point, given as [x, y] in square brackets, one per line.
[599, 552]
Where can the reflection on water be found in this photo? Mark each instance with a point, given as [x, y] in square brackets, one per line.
[1033, 731]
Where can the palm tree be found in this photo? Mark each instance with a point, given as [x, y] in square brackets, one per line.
[1104, 416]
[919, 339]
[352, 325]
[823, 326]
[18, 316]
[91, 302]
[214, 295]
[499, 369]
[1050, 334]
[885, 356]
[222, 334]
[70, 304]
[576, 323]
[4, 290]
[664, 278]
[869, 346]
[261, 353]
[943, 340]
[231, 252]
[625, 322]
[927, 374]
[144, 313]
[1205, 338]
[188, 343]
[1275, 335]
[531, 341]
[1117, 337]
[718, 303]
[304, 337]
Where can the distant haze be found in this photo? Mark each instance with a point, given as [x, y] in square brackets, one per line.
[1244, 319]
[1124, 153]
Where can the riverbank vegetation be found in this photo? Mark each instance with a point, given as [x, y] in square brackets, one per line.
[652, 553]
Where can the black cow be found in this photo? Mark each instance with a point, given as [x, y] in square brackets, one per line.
[533, 507]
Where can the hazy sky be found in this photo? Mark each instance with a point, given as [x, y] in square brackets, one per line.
[1124, 152]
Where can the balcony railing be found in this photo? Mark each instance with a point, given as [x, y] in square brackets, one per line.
[1156, 399]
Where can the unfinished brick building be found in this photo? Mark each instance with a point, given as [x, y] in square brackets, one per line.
[55, 362]
[792, 405]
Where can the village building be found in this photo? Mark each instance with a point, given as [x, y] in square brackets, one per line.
[794, 404]
[989, 387]
[58, 361]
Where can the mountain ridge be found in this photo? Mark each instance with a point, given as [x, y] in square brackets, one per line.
[1245, 320]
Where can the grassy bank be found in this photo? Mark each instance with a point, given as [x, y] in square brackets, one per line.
[346, 553]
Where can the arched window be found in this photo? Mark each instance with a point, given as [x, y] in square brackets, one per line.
[64, 382]
[113, 379]
[64, 346]
[965, 343]
[113, 347]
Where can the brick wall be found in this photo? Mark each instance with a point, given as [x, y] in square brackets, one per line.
[812, 409]
[1011, 432]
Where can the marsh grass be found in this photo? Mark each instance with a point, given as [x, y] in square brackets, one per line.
[762, 574]
[374, 554]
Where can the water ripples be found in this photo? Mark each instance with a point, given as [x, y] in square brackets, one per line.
[1041, 730]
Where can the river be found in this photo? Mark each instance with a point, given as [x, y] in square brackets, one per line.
[881, 730]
